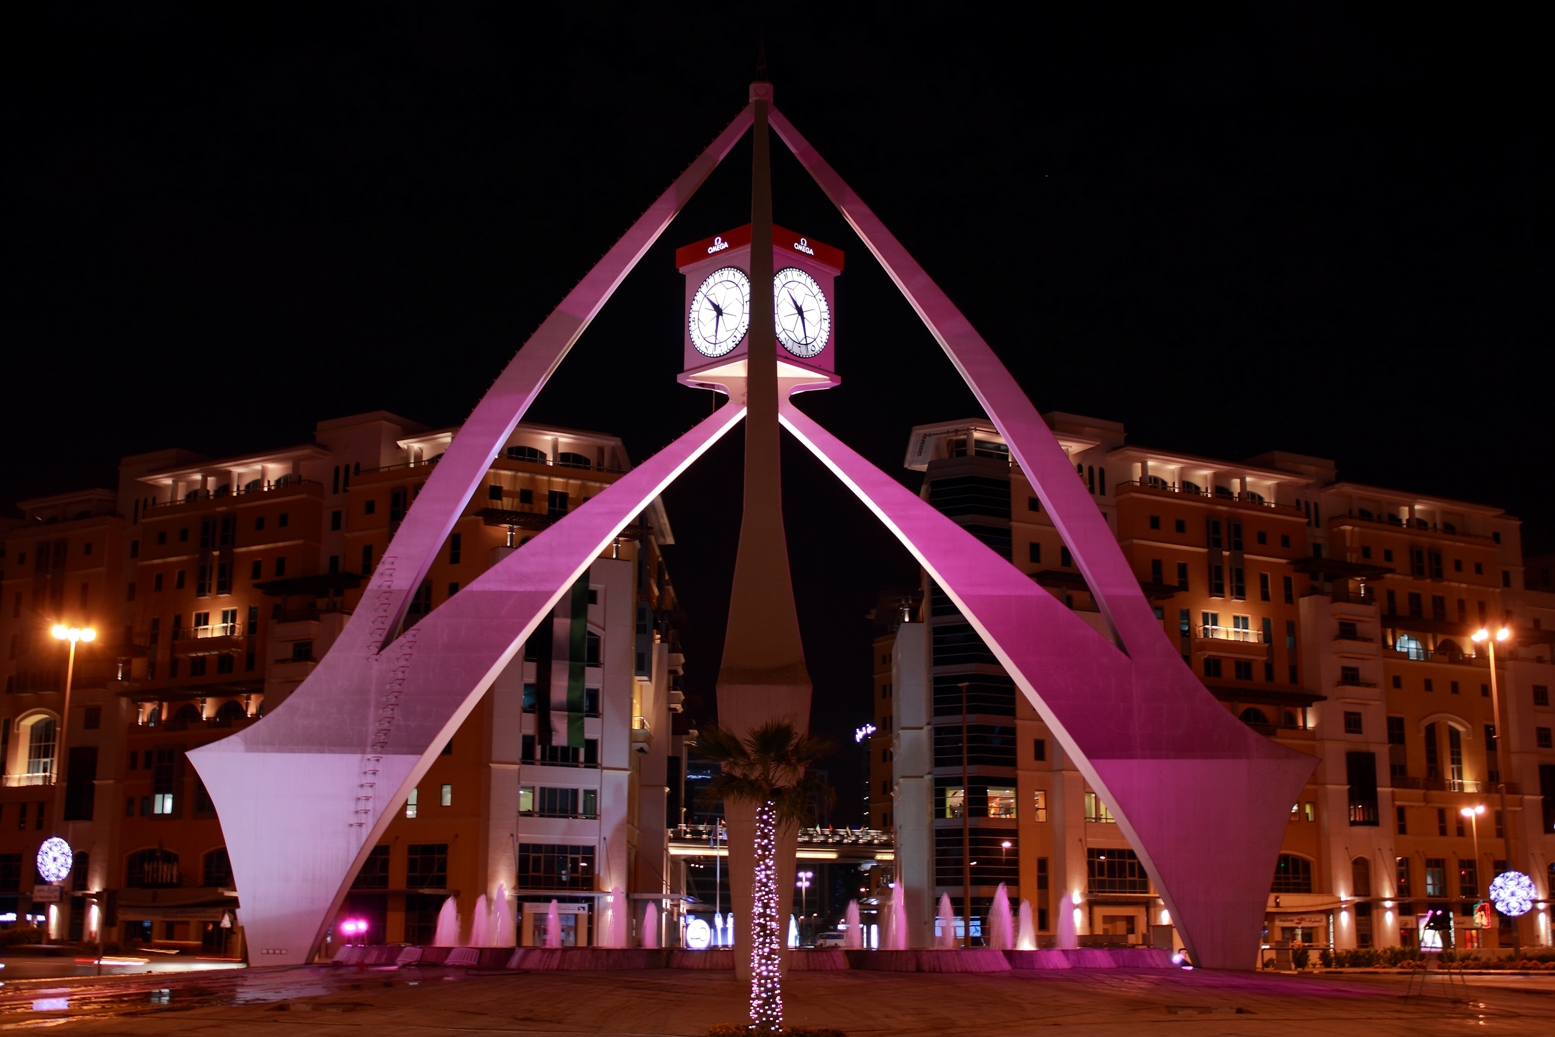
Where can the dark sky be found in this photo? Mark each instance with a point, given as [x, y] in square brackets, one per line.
[1278, 227]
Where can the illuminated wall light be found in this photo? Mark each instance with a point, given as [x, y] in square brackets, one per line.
[1075, 896]
[1166, 917]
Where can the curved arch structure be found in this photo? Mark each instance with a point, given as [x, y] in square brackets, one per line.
[305, 795]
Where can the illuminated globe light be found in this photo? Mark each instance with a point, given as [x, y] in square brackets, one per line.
[1512, 892]
[698, 934]
[55, 860]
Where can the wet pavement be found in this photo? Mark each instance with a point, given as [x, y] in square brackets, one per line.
[372, 1002]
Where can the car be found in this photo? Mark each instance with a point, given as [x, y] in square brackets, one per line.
[829, 940]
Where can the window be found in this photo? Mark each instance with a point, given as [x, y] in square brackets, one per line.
[548, 866]
[280, 567]
[218, 869]
[370, 507]
[1468, 879]
[1541, 694]
[1096, 811]
[1115, 871]
[1155, 521]
[1180, 525]
[336, 517]
[1290, 590]
[1263, 587]
[446, 796]
[1350, 676]
[1064, 559]
[1211, 666]
[1039, 805]
[92, 719]
[455, 543]
[164, 781]
[152, 869]
[40, 751]
[1292, 874]
[1542, 737]
[1352, 723]
[1401, 820]
[556, 503]
[526, 453]
[1436, 876]
[367, 559]
[1039, 749]
[426, 866]
[1034, 553]
[1243, 670]
[1182, 576]
[571, 460]
[1441, 820]
[1404, 887]
[410, 803]
[1361, 770]
[1033, 504]
[1395, 730]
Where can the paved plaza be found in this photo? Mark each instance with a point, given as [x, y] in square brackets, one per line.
[662, 1002]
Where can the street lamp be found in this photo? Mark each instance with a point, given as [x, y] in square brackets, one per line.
[803, 883]
[1473, 814]
[1485, 637]
[54, 857]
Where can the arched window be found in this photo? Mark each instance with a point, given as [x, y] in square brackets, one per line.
[40, 751]
[1225, 492]
[218, 870]
[1191, 487]
[1360, 875]
[1254, 716]
[1292, 874]
[152, 869]
[1411, 647]
[185, 716]
[526, 453]
[1448, 647]
[566, 460]
[229, 712]
[154, 717]
[1101, 481]
[1156, 482]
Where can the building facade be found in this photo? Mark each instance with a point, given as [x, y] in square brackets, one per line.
[1333, 617]
[217, 585]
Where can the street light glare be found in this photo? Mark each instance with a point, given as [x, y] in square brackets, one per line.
[88, 634]
[60, 632]
[1503, 634]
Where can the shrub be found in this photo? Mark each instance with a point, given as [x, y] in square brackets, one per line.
[1325, 958]
[1300, 956]
[19, 934]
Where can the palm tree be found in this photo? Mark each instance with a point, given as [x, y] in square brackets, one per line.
[766, 768]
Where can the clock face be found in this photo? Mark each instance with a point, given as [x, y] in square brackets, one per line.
[720, 312]
[802, 315]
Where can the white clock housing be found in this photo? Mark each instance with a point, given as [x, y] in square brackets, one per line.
[801, 312]
[720, 312]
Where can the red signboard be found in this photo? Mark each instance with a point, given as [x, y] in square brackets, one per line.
[783, 240]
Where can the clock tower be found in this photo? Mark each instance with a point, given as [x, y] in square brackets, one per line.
[718, 301]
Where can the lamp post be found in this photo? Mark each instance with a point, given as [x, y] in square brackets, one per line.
[803, 882]
[966, 833]
[1473, 813]
[54, 857]
[1485, 637]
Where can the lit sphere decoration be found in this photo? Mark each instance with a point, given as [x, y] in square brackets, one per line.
[1512, 892]
[55, 860]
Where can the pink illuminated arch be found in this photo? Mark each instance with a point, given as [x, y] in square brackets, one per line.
[305, 795]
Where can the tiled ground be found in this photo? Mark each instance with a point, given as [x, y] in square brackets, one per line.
[373, 1003]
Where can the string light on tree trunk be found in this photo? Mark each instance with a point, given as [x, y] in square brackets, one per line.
[766, 1006]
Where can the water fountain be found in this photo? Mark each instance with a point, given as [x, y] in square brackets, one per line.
[1026, 939]
[612, 927]
[503, 929]
[793, 932]
[447, 934]
[896, 937]
[553, 926]
[1001, 934]
[852, 933]
[480, 924]
[651, 926]
[946, 940]
[1068, 938]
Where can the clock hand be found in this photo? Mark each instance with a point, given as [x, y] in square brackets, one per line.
[803, 326]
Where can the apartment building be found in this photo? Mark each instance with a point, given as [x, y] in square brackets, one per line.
[1333, 617]
[217, 585]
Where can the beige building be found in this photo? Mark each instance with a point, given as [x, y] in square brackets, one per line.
[1333, 617]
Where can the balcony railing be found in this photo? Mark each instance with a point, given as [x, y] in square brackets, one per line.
[17, 780]
[211, 630]
[1218, 633]
[285, 482]
[1219, 494]
[1453, 785]
[1364, 639]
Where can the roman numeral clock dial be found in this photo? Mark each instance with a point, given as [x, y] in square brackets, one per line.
[720, 312]
[803, 317]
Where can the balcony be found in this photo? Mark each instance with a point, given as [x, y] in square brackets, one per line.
[27, 780]
[1415, 526]
[1453, 785]
[1353, 682]
[1243, 634]
[213, 630]
[1220, 495]
[286, 484]
[641, 732]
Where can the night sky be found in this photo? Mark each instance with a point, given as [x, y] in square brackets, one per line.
[1277, 228]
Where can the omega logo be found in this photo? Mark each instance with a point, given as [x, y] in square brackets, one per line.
[803, 245]
[719, 244]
